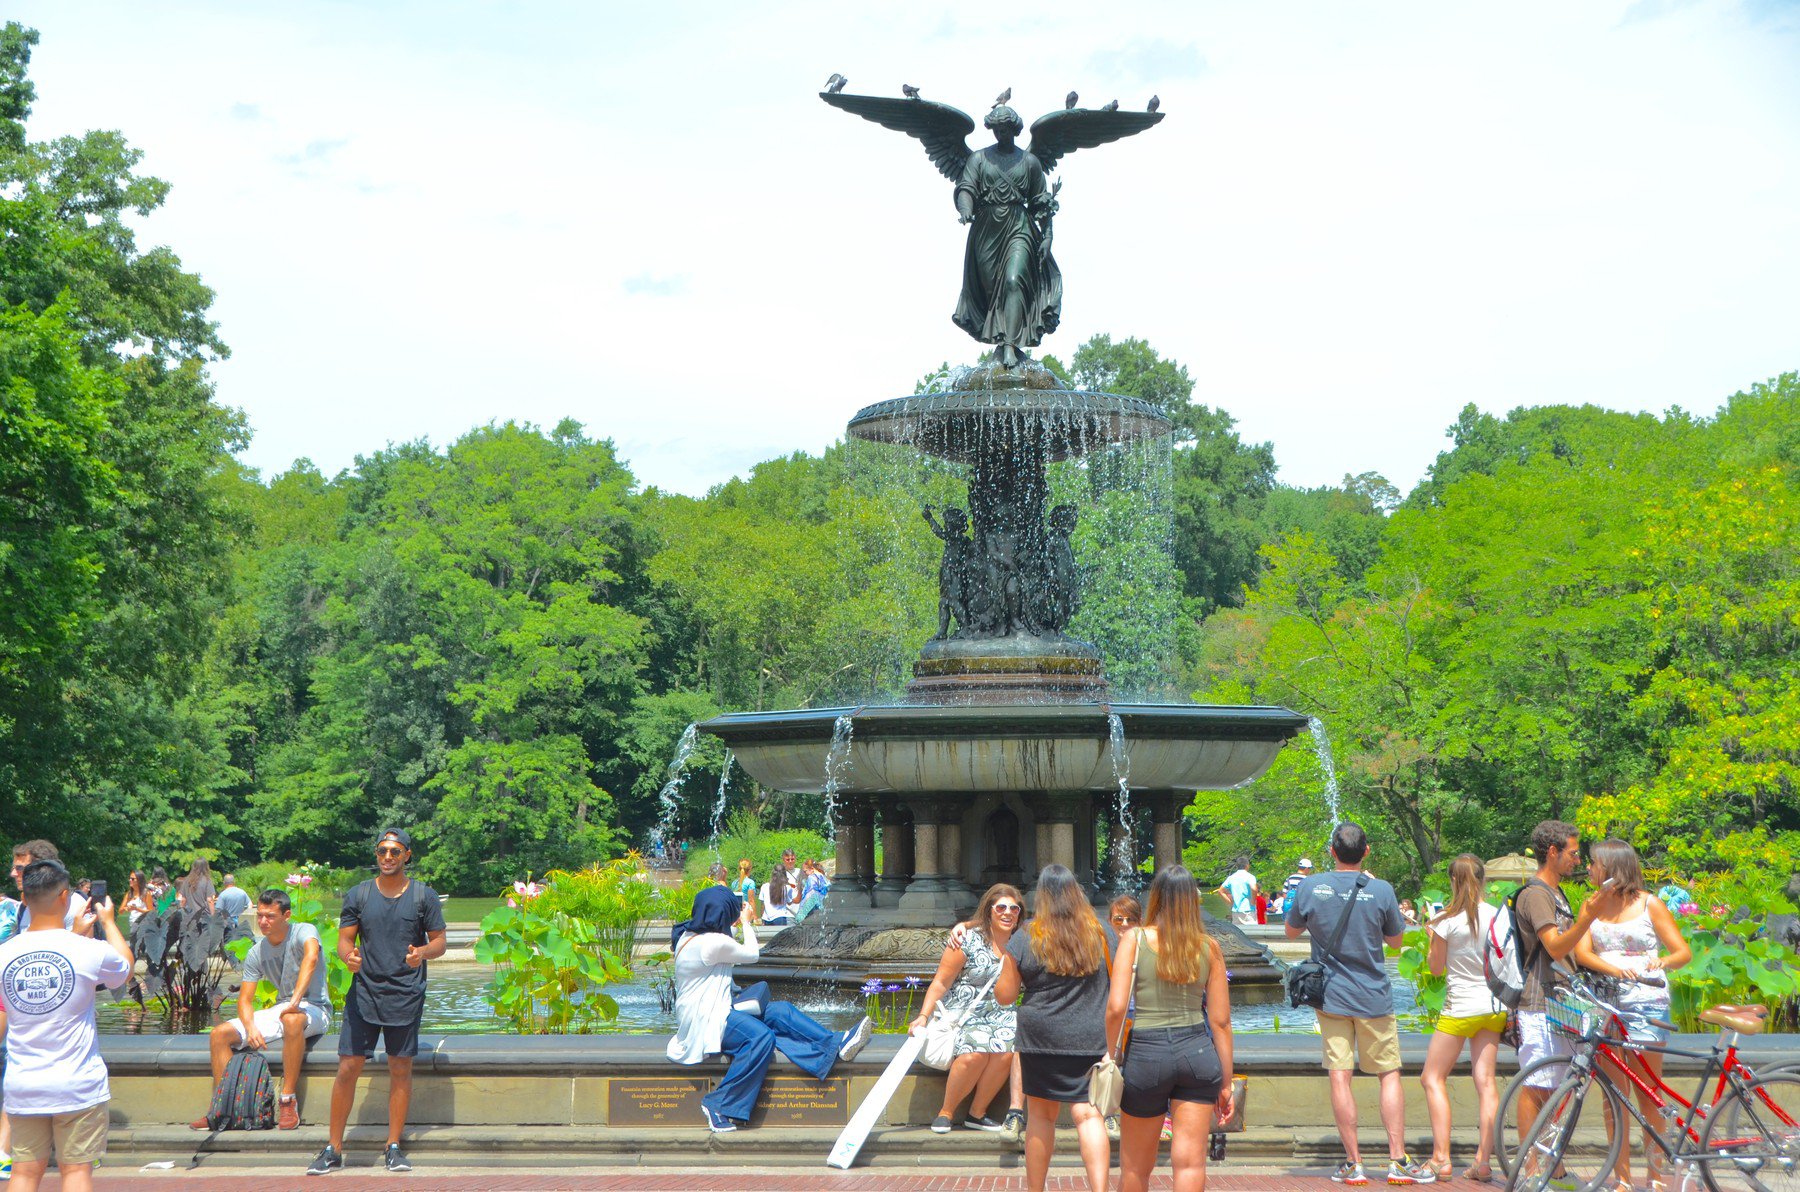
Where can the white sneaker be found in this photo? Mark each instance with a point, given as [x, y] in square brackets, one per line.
[857, 1039]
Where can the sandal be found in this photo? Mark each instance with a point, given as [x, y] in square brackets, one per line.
[1481, 1173]
[1441, 1170]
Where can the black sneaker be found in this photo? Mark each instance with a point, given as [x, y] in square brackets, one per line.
[396, 1159]
[326, 1161]
[991, 1124]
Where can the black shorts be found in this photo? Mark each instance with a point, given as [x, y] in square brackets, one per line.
[1172, 1064]
[358, 1036]
[1056, 1077]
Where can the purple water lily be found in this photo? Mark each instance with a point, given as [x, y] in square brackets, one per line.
[914, 982]
[871, 987]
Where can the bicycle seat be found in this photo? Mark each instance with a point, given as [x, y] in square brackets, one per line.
[1746, 1020]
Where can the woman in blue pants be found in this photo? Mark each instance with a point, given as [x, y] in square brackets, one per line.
[708, 1023]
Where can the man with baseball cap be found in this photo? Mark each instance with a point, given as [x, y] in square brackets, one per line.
[388, 928]
[1304, 871]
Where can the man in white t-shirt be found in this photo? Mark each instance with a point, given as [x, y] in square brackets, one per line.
[706, 1021]
[287, 956]
[1241, 888]
[56, 1093]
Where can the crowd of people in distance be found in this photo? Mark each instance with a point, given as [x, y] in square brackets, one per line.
[794, 889]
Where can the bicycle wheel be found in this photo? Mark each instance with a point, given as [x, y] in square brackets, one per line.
[1752, 1139]
[1507, 1129]
[1567, 1148]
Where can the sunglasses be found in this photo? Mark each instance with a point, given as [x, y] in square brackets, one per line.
[1007, 908]
[390, 851]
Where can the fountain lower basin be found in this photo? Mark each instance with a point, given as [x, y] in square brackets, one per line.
[900, 749]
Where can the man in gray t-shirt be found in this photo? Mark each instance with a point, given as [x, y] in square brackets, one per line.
[1357, 1021]
[287, 956]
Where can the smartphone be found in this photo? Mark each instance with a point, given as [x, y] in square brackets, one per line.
[97, 893]
[1609, 883]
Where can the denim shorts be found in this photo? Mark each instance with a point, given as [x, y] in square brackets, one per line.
[1639, 1027]
[1175, 1063]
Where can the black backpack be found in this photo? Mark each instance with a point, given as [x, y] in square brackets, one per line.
[245, 1099]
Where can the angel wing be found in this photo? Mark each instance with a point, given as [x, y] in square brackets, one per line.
[939, 127]
[1064, 132]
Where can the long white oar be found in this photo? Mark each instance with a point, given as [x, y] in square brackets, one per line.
[849, 1143]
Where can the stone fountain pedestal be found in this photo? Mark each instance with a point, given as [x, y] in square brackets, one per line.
[1008, 753]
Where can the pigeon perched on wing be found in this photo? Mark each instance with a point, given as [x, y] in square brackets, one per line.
[1155, 102]
[1110, 107]
[835, 83]
[908, 90]
[1070, 99]
[1004, 97]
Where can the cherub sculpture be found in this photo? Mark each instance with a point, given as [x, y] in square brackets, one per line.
[1012, 289]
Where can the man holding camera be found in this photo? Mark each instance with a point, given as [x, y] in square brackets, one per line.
[56, 1094]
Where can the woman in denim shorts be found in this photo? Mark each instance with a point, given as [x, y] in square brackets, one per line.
[1637, 943]
[1178, 1059]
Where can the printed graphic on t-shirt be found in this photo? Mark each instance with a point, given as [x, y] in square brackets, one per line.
[37, 983]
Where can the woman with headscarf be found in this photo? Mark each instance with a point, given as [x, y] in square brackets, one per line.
[707, 1020]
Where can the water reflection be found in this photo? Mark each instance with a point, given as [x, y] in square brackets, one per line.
[454, 1006]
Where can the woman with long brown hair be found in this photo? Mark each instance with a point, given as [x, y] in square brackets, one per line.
[196, 890]
[1060, 962]
[137, 900]
[1470, 1015]
[1179, 1059]
[1635, 940]
[984, 1043]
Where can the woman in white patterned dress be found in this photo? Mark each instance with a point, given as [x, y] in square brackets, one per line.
[984, 1045]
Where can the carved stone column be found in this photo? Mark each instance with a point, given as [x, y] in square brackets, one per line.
[851, 884]
[1165, 830]
[950, 851]
[864, 827]
[896, 853]
[928, 890]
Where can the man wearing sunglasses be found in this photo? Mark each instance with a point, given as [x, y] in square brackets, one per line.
[388, 928]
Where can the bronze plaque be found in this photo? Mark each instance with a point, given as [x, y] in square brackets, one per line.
[803, 1101]
[656, 1100]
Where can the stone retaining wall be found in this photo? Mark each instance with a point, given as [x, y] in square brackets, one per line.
[484, 1081]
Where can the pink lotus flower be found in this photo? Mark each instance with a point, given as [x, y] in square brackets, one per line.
[1690, 908]
[527, 889]
[299, 879]
[511, 903]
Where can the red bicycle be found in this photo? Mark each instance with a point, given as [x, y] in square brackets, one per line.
[1745, 1136]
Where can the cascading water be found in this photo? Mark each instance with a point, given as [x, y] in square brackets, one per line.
[668, 799]
[718, 809]
[1322, 748]
[1124, 856]
[835, 759]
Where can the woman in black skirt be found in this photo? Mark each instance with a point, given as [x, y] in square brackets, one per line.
[1061, 963]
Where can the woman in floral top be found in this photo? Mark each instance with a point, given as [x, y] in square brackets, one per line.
[984, 1045]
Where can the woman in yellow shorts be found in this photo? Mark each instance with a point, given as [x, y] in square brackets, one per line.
[1470, 1015]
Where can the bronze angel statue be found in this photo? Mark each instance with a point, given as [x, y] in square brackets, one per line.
[1012, 289]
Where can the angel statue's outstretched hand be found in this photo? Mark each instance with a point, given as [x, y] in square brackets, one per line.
[1012, 289]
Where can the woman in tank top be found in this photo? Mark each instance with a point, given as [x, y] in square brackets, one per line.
[1178, 1058]
[1634, 938]
[1470, 1015]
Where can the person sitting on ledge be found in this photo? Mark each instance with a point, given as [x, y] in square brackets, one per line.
[288, 957]
[711, 1017]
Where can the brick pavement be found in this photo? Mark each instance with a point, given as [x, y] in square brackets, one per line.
[651, 1179]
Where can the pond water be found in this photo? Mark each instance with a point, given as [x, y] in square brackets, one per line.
[453, 1005]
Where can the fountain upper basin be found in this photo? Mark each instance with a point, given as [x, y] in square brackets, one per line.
[1021, 747]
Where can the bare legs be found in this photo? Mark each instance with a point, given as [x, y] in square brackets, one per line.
[1440, 1057]
[995, 1074]
[293, 1050]
[343, 1092]
[1040, 1142]
[1343, 1112]
[1138, 1139]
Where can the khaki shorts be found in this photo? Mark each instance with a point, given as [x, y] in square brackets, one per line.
[1375, 1042]
[75, 1138]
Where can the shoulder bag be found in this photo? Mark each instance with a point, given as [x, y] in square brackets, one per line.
[1306, 980]
[940, 1034]
[1106, 1083]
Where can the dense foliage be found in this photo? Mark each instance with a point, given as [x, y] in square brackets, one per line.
[497, 642]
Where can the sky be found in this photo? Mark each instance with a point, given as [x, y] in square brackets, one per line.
[1356, 218]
